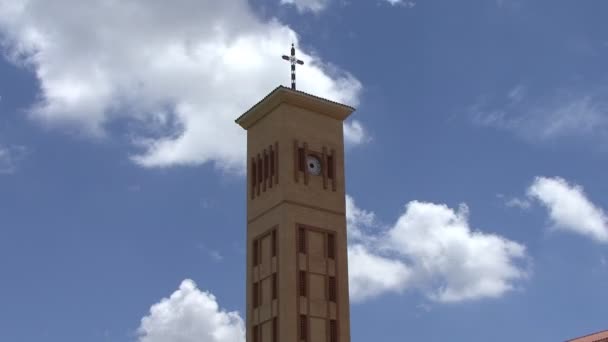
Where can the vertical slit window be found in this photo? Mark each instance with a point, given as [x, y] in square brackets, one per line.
[256, 295]
[260, 170]
[255, 253]
[256, 334]
[254, 176]
[303, 328]
[274, 286]
[302, 283]
[275, 330]
[331, 246]
[330, 167]
[302, 240]
[301, 159]
[266, 168]
[271, 162]
[332, 289]
[274, 243]
[333, 331]
[276, 163]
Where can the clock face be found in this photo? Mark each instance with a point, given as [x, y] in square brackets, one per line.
[313, 165]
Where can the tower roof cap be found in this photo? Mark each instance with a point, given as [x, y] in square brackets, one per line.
[296, 98]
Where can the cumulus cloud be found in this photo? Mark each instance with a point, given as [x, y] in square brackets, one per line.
[371, 274]
[432, 248]
[190, 315]
[540, 118]
[461, 263]
[178, 73]
[314, 6]
[10, 157]
[361, 223]
[569, 208]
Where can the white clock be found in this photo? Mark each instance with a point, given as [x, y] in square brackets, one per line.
[313, 165]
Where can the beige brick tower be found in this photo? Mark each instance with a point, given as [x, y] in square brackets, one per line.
[297, 276]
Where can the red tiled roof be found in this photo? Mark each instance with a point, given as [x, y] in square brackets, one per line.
[601, 336]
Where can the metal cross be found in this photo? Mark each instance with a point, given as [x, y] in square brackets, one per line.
[293, 60]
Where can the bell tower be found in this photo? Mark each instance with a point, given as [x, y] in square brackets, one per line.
[297, 269]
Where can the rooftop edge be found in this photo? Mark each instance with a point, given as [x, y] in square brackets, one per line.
[297, 98]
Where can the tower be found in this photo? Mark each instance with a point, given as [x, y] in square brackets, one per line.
[297, 276]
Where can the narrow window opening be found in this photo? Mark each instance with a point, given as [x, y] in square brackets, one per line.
[271, 162]
[333, 331]
[255, 253]
[301, 159]
[330, 167]
[274, 286]
[331, 246]
[256, 334]
[275, 169]
[260, 171]
[303, 328]
[253, 176]
[256, 295]
[332, 289]
[302, 240]
[274, 243]
[275, 330]
[302, 282]
[266, 168]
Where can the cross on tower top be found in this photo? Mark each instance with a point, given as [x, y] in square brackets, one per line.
[293, 60]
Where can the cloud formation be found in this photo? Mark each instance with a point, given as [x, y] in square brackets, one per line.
[372, 274]
[569, 208]
[355, 133]
[563, 114]
[404, 3]
[431, 247]
[314, 6]
[317, 6]
[515, 202]
[177, 73]
[190, 315]
[10, 157]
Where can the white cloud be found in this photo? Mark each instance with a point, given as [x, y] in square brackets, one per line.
[314, 6]
[518, 203]
[371, 274]
[563, 114]
[360, 222]
[569, 208]
[431, 247]
[190, 315]
[404, 3]
[515, 202]
[355, 133]
[179, 73]
[459, 262]
[10, 157]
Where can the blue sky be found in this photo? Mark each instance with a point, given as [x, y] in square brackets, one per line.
[475, 164]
